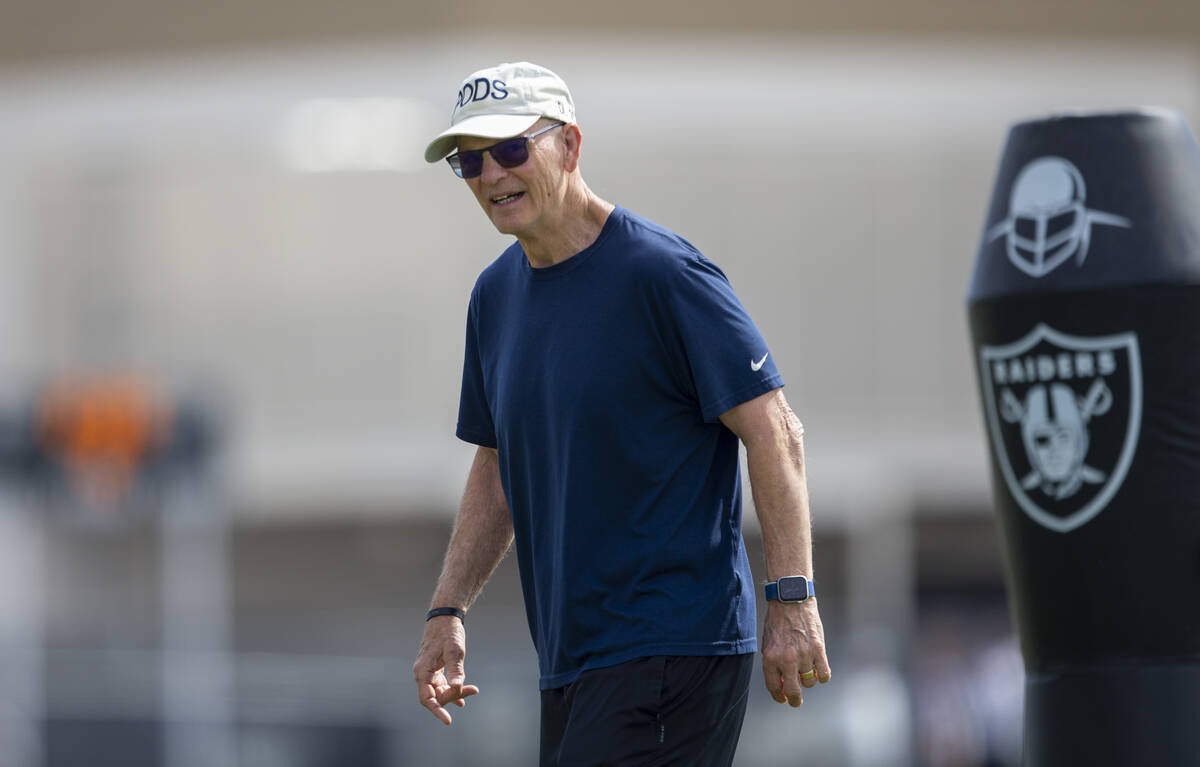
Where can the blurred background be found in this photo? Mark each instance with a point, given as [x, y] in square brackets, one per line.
[232, 300]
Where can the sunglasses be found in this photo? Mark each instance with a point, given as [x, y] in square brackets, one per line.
[508, 153]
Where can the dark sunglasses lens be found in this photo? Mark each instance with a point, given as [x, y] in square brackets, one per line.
[511, 153]
[470, 163]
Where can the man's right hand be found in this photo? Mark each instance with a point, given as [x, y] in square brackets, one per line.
[438, 670]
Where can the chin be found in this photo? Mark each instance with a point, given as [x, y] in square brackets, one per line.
[508, 224]
[504, 227]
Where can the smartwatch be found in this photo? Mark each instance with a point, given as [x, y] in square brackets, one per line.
[790, 588]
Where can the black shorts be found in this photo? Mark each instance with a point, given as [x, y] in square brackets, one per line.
[657, 711]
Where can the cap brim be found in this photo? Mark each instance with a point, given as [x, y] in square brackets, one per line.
[483, 126]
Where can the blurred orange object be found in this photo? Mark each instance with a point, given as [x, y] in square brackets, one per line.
[101, 430]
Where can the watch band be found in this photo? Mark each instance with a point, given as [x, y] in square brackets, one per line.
[796, 588]
[435, 612]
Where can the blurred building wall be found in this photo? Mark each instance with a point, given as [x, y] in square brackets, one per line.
[53, 31]
[196, 220]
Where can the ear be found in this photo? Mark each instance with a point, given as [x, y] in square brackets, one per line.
[572, 139]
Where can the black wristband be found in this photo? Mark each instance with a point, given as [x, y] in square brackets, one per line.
[435, 612]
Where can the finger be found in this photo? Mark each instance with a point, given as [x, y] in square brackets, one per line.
[429, 700]
[455, 675]
[450, 694]
[808, 679]
[793, 691]
[821, 666]
[774, 682]
[468, 690]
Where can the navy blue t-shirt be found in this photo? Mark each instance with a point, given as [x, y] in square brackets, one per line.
[600, 381]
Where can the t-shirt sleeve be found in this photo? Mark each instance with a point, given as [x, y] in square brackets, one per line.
[720, 355]
[475, 423]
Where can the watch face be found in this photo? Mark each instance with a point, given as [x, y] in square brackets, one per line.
[793, 588]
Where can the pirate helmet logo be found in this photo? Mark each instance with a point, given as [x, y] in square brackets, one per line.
[1048, 221]
[1054, 423]
[1064, 414]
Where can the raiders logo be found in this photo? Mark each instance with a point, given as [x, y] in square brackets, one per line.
[1064, 414]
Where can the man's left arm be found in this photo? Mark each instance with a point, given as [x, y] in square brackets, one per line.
[793, 645]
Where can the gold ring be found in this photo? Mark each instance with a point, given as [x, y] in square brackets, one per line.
[808, 674]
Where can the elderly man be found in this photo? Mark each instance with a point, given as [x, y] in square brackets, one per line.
[609, 372]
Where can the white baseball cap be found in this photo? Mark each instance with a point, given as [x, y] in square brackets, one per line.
[503, 101]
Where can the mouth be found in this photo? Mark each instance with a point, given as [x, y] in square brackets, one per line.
[506, 199]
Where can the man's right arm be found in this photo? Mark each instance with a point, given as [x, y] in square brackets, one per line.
[482, 535]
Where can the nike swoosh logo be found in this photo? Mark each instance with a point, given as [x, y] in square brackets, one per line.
[756, 366]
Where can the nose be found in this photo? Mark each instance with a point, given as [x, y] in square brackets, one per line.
[492, 170]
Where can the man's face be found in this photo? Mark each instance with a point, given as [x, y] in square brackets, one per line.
[517, 200]
[1055, 450]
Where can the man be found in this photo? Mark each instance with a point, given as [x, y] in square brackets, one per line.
[609, 372]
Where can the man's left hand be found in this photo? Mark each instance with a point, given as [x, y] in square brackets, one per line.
[793, 650]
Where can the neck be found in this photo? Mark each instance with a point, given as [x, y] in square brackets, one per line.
[577, 224]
